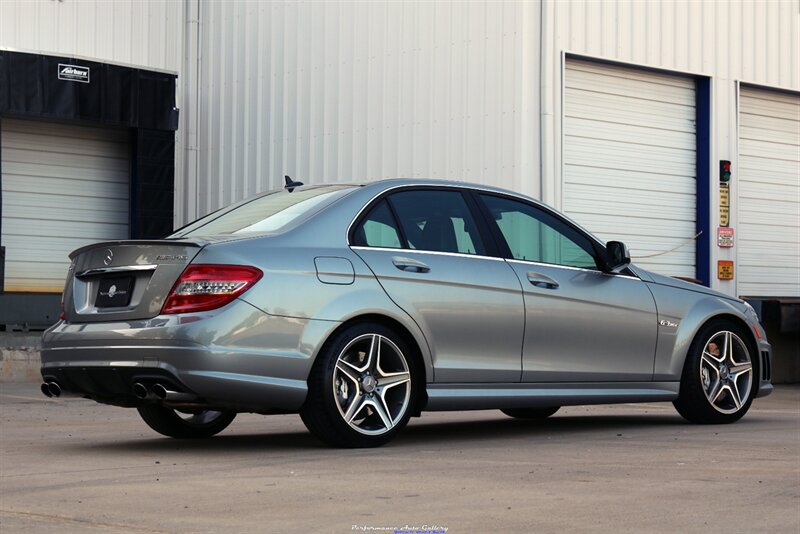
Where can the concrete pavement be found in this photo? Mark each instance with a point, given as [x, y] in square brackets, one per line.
[76, 466]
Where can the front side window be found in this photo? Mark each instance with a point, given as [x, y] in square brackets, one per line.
[438, 221]
[535, 235]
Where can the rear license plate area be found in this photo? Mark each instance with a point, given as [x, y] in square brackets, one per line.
[114, 292]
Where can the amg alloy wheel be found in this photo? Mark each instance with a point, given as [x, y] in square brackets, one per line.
[180, 424]
[718, 377]
[726, 372]
[361, 389]
[372, 384]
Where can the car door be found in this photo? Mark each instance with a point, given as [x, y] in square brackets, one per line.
[582, 325]
[430, 256]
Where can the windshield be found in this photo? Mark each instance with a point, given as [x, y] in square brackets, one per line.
[267, 213]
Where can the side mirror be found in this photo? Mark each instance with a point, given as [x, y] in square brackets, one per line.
[617, 256]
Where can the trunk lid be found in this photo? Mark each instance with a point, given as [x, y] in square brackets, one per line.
[124, 280]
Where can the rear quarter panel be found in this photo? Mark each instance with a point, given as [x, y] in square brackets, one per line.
[292, 288]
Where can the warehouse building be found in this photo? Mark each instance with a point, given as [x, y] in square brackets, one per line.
[672, 126]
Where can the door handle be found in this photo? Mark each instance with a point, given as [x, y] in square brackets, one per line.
[541, 280]
[410, 265]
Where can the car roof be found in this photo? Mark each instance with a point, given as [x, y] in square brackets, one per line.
[378, 186]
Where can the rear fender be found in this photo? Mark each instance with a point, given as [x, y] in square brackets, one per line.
[292, 287]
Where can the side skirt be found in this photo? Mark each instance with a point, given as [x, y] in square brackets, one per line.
[444, 397]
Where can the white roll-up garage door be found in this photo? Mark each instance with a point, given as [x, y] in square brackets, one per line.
[630, 161]
[768, 244]
[63, 187]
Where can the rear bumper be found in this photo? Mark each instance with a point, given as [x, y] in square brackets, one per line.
[237, 357]
[112, 383]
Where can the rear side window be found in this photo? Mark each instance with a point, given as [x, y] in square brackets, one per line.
[378, 229]
[439, 221]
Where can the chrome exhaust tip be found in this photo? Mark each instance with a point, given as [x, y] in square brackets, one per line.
[166, 395]
[46, 390]
[140, 390]
[54, 389]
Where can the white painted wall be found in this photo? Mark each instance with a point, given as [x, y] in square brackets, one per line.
[148, 34]
[461, 90]
[750, 41]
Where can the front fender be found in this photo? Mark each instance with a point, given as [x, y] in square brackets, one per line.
[690, 311]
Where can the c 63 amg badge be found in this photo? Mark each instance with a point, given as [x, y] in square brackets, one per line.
[670, 324]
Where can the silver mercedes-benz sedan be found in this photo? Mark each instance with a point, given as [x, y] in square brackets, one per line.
[359, 306]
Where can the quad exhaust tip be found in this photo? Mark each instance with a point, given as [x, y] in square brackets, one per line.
[140, 390]
[175, 396]
[51, 389]
[159, 392]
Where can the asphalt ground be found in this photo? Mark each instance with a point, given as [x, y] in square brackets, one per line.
[70, 465]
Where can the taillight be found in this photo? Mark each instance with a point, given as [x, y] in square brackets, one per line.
[206, 287]
[63, 315]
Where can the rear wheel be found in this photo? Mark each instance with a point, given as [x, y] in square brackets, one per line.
[717, 385]
[531, 413]
[185, 424]
[361, 389]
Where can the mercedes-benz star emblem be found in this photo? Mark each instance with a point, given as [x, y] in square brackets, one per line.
[108, 257]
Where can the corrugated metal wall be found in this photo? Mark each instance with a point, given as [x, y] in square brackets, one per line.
[342, 91]
[363, 90]
[753, 40]
[142, 33]
[147, 34]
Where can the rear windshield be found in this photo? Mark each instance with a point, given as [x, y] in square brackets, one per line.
[267, 213]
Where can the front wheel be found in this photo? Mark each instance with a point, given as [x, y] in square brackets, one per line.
[185, 425]
[717, 385]
[361, 389]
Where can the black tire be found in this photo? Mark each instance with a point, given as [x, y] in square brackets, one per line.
[202, 424]
[693, 401]
[324, 410]
[531, 413]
